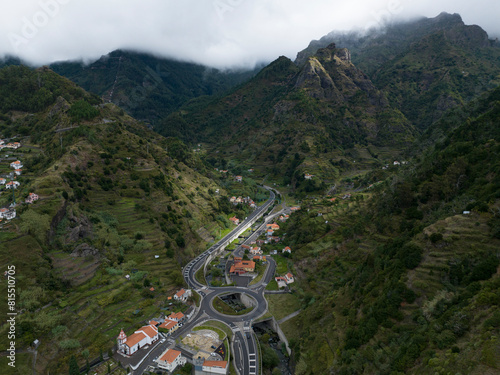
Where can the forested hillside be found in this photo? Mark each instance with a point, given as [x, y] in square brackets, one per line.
[289, 120]
[148, 87]
[403, 277]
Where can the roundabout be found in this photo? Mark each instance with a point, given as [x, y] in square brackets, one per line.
[244, 345]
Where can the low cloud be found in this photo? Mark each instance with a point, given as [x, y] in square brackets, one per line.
[219, 33]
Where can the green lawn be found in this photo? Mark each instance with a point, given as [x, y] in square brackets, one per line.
[281, 305]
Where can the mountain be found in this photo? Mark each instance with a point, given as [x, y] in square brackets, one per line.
[115, 199]
[9, 60]
[314, 112]
[403, 277]
[426, 66]
[148, 87]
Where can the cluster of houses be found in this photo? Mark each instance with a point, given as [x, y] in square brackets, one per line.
[240, 200]
[13, 145]
[283, 281]
[10, 213]
[17, 165]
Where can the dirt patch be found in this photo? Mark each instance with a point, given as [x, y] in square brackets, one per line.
[202, 341]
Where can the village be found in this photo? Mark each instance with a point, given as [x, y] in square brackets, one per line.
[201, 347]
[9, 181]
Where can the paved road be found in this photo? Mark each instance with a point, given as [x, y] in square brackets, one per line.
[244, 346]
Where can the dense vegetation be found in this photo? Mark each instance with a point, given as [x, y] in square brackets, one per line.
[400, 281]
[148, 87]
[298, 120]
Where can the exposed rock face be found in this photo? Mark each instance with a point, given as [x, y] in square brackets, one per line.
[61, 106]
[81, 228]
[330, 75]
[84, 250]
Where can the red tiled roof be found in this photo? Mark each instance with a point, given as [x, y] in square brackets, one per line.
[168, 324]
[149, 330]
[170, 355]
[178, 315]
[134, 339]
[180, 292]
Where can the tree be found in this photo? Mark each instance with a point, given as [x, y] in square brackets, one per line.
[73, 366]
[35, 224]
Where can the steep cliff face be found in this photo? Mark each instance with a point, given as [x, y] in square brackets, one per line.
[424, 67]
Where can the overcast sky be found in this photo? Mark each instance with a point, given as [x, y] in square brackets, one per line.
[221, 33]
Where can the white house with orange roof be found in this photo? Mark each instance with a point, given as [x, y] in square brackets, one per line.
[18, 172]
[308, 176]
[182, 295]
[239, 178]
[7, 213]
[170, 359]
[12, 185]
[16, 164]
[146, 335]
[289, 278]
[2, 181]
[287, 250]
[176, 317]
[168, 326]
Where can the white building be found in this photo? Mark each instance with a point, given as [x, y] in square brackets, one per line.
[215, 367]
[12, 185]
[170, 359]
[16, 164]
[182, 295]
[146, 335]
[7, 213]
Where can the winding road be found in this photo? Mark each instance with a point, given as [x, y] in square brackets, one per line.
[244, 346]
